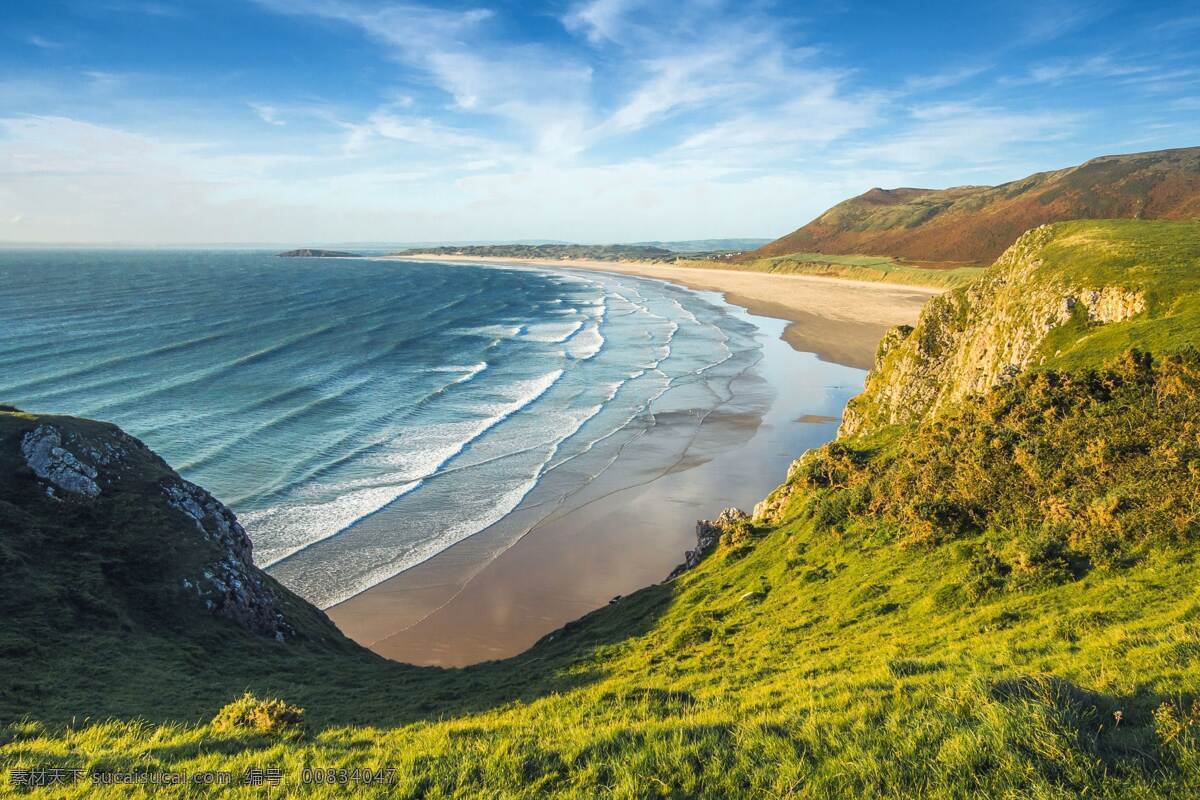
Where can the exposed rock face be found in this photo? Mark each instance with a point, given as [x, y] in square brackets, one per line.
[708, 533]
[52, 462]
[89, 467]
[972, 339]
[229, 587]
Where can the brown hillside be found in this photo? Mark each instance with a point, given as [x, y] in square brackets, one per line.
[974, 224]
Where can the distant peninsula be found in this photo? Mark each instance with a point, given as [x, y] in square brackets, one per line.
[308, 252]
[590, 252]
[646, 252]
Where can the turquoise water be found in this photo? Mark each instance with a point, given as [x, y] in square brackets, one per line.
[361, 415]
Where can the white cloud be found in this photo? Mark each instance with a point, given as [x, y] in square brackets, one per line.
[950, 135]
[942, 80]
[1094, 68]
[420, 131]
[532, 88]
[598, 20]
[267, 113]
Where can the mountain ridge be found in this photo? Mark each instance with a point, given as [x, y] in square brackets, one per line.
[973, 225]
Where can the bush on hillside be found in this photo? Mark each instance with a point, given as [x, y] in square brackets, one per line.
[1062, 470]
[249, 713]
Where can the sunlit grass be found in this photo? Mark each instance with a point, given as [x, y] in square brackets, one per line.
[855, 267]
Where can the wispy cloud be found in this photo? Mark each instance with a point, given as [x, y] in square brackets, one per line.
[42, 42]
[1055, 19]
[267, 113]
[149, 8]
[598, 20]
[530, 86]
[937, 81]
[1093, 68]
[948, 135]
[587, 119]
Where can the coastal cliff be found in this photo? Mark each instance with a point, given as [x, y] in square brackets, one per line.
[118, 539]
[971, 339]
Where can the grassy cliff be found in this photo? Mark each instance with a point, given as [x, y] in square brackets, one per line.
[993, 598]
[1072, 294]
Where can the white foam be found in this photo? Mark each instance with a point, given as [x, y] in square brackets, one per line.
[552, 332]
[410, 458]
[586, 343]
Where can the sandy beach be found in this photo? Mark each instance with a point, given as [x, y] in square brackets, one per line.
[840, 320]
[496, 593]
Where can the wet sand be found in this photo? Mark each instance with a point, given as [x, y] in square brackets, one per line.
[496, 593]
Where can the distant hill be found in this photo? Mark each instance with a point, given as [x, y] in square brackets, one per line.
[975, 224]
[594, 252]
[307, 252]
[706, 245]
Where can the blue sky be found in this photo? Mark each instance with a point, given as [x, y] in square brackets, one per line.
[313, 121]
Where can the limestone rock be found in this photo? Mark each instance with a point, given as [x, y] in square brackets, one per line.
[230, 587]
[45, 454]
[975, 338]
[708, 533]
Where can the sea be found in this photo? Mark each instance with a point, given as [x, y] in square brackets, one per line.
[361, 415]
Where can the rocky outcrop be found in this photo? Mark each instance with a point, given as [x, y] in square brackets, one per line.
[228, 586]
[972, 339]
[708, 533]
[769, 510]
[60, 467]
[95, 464]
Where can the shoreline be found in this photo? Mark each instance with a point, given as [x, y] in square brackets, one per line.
[839, 319]
[492, 596]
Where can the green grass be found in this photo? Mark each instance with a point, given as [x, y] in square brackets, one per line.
[831, 652]
[1160, 259]
[812, 688]
[854, 267]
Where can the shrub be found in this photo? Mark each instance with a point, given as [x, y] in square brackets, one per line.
[250, 713]
[986, 575]
[1044, 559]
[737, 533]
[1093, 467]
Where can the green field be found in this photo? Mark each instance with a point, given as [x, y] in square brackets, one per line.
[862, 268]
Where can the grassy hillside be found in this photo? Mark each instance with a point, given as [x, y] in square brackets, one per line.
[994, 600]
[973, 225]
[883, 269]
